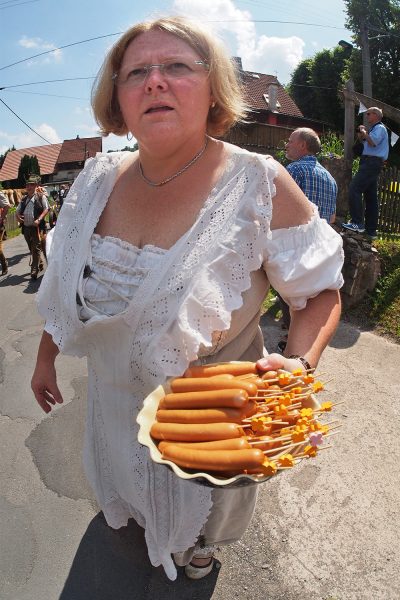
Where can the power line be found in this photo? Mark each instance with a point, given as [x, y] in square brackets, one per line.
[6, 87]
[19, 4]
[29, 127]
[99, 37]
[318, 87]
[50, 95]
[120, 32]
[280, 22]
[8, 2]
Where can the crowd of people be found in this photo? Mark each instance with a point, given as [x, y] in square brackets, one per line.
[36, 213]
[162, 258]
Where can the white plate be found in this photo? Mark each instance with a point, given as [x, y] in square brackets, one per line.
[147, 417]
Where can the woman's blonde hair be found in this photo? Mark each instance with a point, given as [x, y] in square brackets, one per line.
[225, 86]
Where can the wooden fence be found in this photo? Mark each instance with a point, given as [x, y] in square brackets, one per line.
[259, 137]
[389, 196]
[11, 222]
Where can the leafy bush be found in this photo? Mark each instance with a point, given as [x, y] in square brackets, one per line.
[386, 298]
[332, 146]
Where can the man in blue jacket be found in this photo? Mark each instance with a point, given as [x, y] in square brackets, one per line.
[375, 140]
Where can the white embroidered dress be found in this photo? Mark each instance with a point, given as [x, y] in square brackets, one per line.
[144, 315]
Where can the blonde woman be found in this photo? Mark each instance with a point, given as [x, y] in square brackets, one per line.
[162, 258]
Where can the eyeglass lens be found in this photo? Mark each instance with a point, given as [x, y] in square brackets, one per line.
[174, 69]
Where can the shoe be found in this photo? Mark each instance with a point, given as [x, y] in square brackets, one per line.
[4, 270]
[353, 227]
[34, 275]
[281, 346]
[196, 572]
[371, 237]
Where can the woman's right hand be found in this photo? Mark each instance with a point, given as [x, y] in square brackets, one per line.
[44, 386]
[44, 379]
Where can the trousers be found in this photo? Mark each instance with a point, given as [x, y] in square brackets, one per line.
[3, 260]
[365, 184]
[32, 238]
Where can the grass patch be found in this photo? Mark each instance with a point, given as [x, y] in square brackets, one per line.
[13, 233]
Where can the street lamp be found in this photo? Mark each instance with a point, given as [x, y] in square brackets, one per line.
[345, 45]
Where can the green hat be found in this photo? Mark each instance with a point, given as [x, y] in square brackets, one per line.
[33, 179]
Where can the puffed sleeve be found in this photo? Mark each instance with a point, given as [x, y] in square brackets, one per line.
[302, 261]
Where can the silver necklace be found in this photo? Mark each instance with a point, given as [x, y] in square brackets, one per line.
[184, 168]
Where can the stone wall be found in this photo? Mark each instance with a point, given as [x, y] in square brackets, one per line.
[340, 169]
[361, 269]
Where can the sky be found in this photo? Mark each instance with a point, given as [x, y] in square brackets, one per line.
[61, 109]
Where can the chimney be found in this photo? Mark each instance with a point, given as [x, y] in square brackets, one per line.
[238, 62]
[273, 97]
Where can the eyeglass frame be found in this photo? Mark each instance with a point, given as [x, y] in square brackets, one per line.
[160, 66]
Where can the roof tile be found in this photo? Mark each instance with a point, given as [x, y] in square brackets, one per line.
[51, 155]
[79, 149]
[46, 155]
[257, 84]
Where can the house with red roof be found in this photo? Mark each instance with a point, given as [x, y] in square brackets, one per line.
[59, 163]
[273, 114]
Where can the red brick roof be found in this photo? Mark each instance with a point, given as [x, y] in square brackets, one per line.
[79, 149]
[47, 157]
[51, 155]
[256, 84]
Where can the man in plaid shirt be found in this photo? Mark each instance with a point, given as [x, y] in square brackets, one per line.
[315, 181]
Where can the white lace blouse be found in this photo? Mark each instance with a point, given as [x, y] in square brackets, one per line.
[115, 269]
[141, 316]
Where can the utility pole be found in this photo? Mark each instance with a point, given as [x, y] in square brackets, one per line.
[348, 121]
[366, 59]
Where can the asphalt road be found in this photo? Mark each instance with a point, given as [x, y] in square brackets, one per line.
[326, 530]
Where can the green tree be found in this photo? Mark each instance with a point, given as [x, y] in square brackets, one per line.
[311, 80]
[327, 78]
[300, 87]
[315, 83]
[29, 165]
[382, 21]
[3, 156]
[127, 148]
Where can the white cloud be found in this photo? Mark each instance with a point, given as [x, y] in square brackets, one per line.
[39, 45]
[29, 139]
[85, 110]
[88, 128]
[271, 55]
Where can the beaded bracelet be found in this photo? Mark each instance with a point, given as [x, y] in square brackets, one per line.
[303, 361]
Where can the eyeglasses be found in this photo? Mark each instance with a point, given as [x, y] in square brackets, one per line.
[172, 70]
